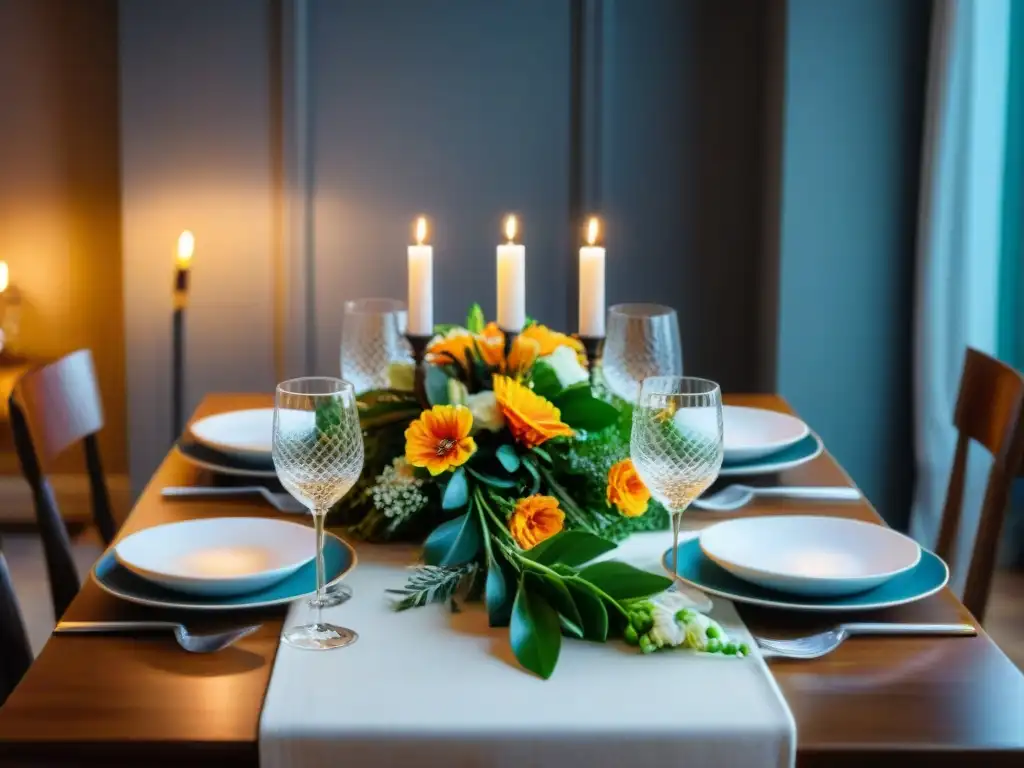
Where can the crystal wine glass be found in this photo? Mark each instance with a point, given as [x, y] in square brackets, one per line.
[676, 443]
[318, 455]
[643, 340]
[372, 337]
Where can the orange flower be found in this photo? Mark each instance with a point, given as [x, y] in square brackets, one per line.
[454, 346]
[532, 419]
[439, 439]
[492, 345]
[535, 518]
[521, 357]
[551, 340]
[626, 490]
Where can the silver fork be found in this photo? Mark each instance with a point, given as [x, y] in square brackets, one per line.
[190, 641]
[815, 646]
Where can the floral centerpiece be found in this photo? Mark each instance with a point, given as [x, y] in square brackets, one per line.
[513, 467]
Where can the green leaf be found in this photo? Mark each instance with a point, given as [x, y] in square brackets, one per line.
[475, 319]
[436, 385]
[542, 452]
[497, 596]
[569, 548]
[535, 475]
[456, 493]
[545, 381]
[556, 593]
[454, 542]
[491, 480]
[534, 632]
[508, 457]
[581, 410]
[569, 628]
[593, 614]
[621, 581]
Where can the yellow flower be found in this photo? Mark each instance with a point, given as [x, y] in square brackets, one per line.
[626, 490]
[534, 519]
[439, 439]
[531, 419]
[491, 343]
[551, 340]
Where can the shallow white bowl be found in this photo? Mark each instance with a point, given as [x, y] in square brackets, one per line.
[219, 556]
[248, 433]
[752, 433]
[807, 555]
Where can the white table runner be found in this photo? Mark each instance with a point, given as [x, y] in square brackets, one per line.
[426, 687]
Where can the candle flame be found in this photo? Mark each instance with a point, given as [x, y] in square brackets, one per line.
[592, 230]
[186, 247]
[4, 276]
[421, 230]
[510, 229]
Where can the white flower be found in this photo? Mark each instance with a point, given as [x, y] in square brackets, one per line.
[397, 492]
[457, 392]
[401, 376]
[566, 365]
[486, 414]
[676, 623]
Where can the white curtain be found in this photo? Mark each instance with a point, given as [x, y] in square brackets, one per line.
[958, 246]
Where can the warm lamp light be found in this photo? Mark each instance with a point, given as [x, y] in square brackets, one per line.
[186, 247]
[5, 277]
[511, 225]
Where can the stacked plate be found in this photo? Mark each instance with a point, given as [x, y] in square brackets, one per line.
[235, 443]
[809, 563]
[759, 441]
[219, 563]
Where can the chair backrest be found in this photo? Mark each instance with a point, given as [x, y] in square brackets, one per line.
[15, 653]
[989, 411]
[51, 408]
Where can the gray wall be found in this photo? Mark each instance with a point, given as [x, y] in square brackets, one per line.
[196, 154]
[855, 75]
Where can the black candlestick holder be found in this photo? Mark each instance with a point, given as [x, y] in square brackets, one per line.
[419, 344]
[510, 338]
[593, 345]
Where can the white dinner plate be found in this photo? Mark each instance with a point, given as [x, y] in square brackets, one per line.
[809, 555]
[799, 453]
[220, 556]
[753, 433]
[245, 433]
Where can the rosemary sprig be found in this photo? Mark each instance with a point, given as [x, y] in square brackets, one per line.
[431, 584]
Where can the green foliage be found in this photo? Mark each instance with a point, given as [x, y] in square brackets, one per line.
[581, 410]
[570, 548]
[491, 480]
[436, 385]
[456, 493]
[454, 542]
[535, 632]
[593, 614]
[544, 381]
[475, 319]
[431, 584]
[621, 581]
[509, 459]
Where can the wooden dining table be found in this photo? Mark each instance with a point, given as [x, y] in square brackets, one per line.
[878, 701]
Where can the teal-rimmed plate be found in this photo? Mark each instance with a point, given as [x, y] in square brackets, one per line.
[925, 579]
[802, 451]
[115, 579]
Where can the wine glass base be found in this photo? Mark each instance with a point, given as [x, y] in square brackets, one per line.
[334, 594]
[319, 637]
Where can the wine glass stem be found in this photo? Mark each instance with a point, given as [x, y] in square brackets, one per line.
[677, 519]
[319, 515]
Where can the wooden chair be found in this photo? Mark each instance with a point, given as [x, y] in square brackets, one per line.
[15, 653]
[52, 408]
[989, 411]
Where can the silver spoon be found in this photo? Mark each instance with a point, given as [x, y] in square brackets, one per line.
[195, 643]
[282, 502]
[816, 646]
[736, 496]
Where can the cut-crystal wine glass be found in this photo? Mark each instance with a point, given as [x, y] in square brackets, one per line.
[318, 455]
[642, 341]
[676, 442]
[372, 338]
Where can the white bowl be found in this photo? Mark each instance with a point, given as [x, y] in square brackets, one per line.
[808, 555]
[752, 433]
[248, 433]
[218, 556]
